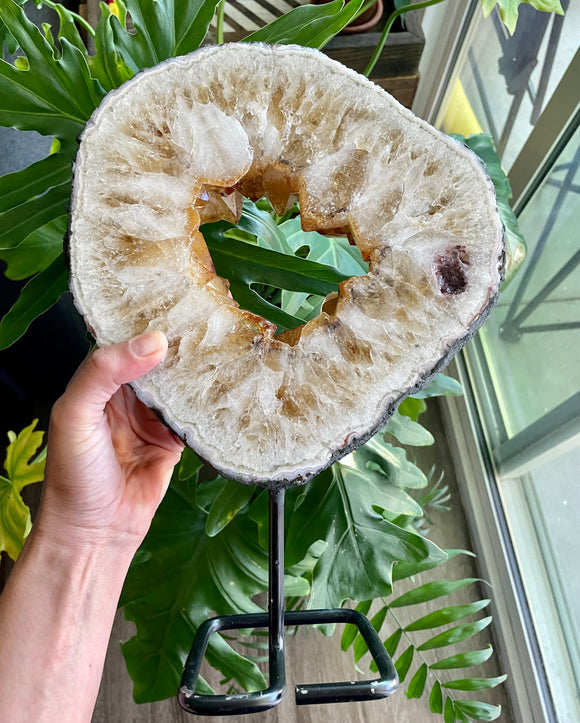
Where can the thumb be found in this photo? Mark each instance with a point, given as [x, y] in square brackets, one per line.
[105, 370]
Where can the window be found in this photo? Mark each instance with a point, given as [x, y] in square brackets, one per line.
[522, 371]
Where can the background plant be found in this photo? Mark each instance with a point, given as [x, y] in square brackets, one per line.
[363, 520]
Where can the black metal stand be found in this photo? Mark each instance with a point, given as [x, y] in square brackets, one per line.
[275, 620]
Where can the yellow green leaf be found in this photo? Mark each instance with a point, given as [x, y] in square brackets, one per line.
[14, 519]
[508, 9]
[23, 466]
[22, 469]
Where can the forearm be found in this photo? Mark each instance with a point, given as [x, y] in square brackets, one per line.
[56, 615]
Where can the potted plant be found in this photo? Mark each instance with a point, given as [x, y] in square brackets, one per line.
[53, 88]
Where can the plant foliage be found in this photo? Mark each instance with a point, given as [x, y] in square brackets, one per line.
[508, 9]
[359, 527]
[24, 466]
[515, 244]
[207, 551]
[57, 85]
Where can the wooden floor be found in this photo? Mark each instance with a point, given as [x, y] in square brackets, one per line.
[313, 658]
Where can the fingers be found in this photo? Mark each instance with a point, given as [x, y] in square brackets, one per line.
[148, 425]
[106, 370]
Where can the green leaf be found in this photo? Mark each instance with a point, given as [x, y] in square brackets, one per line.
[181, 578]
[162, 30]
[309, 25]
[508, 10]
[431, 591]
[360, 646]
[67, 28]
[391, 462]
[260, 223]
[395, 500]
[482, 145]
[448, 712]
[351, 631]
[412, 407]
[335, 252]
[441, 386]
[455, 635]
[226, 506]
[203, 494]
[403, 570]
[8, 43]
[362, 546]
[406, 431]
[189, 465]
[21, 186]
[417, 684]
[464, 660]
[24, 467]
[403, 663]
[446, 615]
[246, 264]
[38, 250]
[477, 710]
[107, 64]
[475, 683]
[39, 294]
[15, 520]
[305, 567]
[18, 222]
[391, 644]
[19, 453]
[56, 96]
[436, 698]
[515, 243]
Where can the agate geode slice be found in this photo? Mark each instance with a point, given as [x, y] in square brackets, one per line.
[178, 146]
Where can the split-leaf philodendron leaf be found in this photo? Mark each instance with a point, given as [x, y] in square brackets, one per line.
[508, 9]
[179, 578]
[342, 539]
[23, 466]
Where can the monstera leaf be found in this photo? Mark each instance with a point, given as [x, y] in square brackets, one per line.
[181, 576]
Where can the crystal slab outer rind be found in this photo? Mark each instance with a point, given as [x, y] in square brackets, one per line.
[280, 120]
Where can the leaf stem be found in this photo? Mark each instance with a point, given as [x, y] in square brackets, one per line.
[363, 8]
[79, 18]
[221, 12]
[434, 673]
[387, 29]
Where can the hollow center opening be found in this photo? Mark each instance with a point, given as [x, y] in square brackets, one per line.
[252, 235]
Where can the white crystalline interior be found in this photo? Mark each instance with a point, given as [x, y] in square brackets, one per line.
[418, 205]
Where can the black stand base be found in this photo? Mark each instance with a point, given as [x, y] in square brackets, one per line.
[275, 620]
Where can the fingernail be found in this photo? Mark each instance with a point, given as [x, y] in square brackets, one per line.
[145, 344]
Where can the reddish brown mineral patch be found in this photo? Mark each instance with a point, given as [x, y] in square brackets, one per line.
[451, 270]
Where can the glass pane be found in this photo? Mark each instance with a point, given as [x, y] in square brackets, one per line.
[526, 368]
[541, 510]
[524, 364]
[505, 82]
[531, 342]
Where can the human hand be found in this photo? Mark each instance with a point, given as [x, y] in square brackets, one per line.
[109, 458]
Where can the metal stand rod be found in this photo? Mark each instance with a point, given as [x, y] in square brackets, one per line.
[277, 663]
[275, 620]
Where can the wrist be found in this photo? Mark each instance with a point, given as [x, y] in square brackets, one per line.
[56, 616]
[54, 532]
